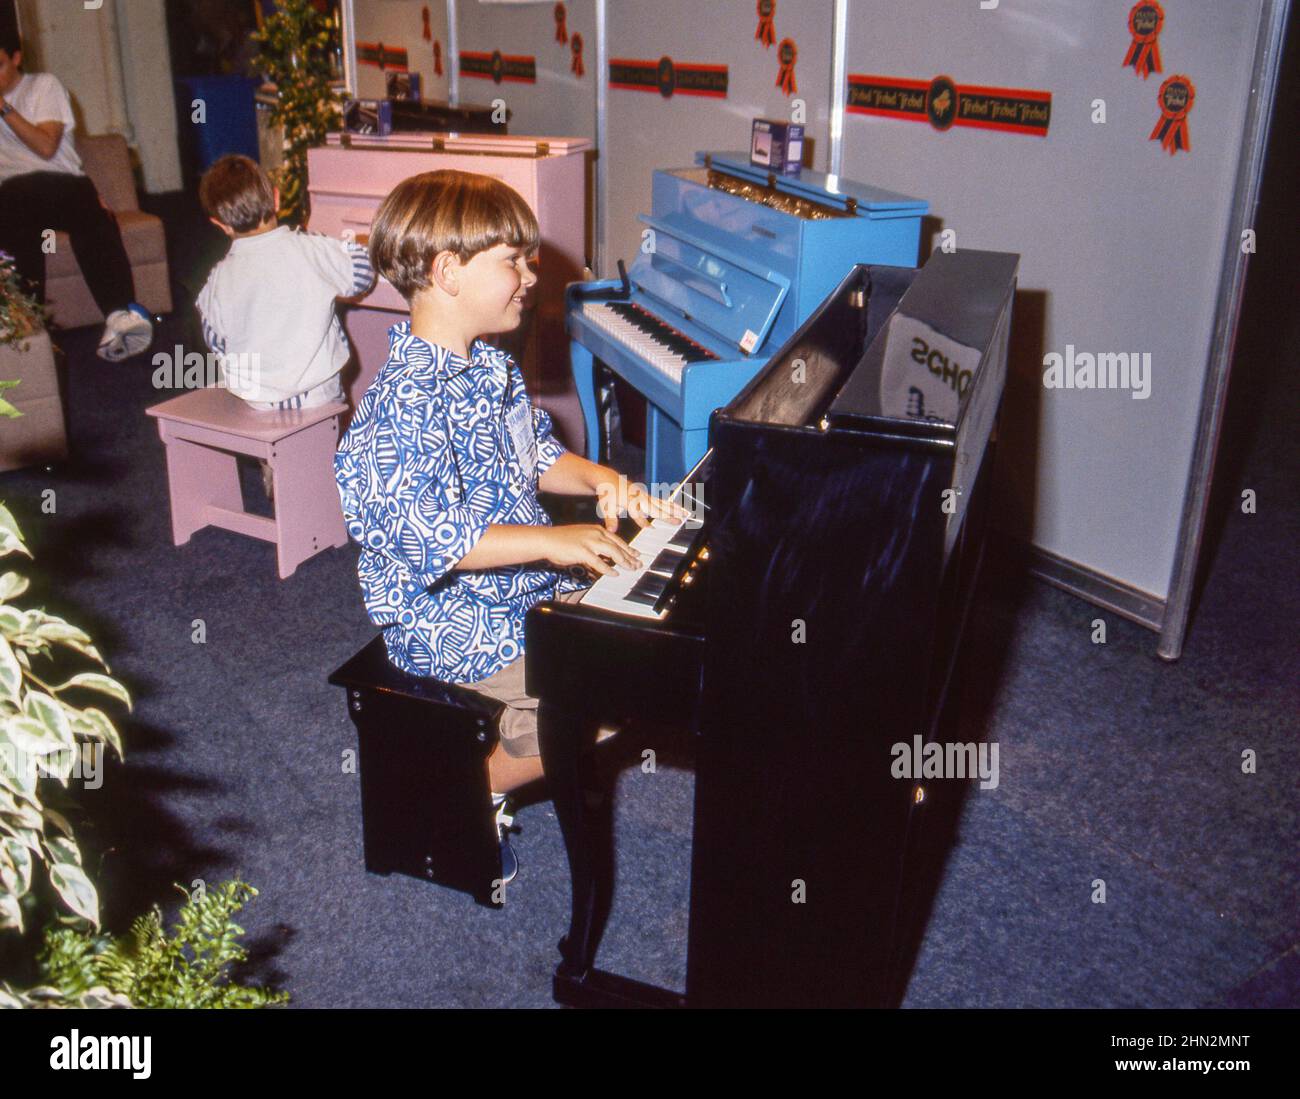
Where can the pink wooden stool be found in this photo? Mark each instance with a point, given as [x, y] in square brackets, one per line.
[203, 431]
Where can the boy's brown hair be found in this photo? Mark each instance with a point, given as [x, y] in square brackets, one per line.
[237, 193]
[445, 211]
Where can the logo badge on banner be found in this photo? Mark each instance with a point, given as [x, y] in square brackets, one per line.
[666, 74]
[1144, 23]
[496, 66]
[575, 45]
[766, 32]
[561, 23]
[945, 104]
[1177, 95]
[381, 56]
[668, 77]
[941, 103]
[787, 53]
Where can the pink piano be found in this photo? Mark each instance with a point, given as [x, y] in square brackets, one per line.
[349, 177]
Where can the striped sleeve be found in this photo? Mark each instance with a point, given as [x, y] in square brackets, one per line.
[204, 303]
[363, 275]
[214, 341]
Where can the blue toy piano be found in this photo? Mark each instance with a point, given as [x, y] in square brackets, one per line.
[733, 261]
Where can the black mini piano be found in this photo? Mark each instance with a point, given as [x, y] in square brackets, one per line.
[808, 618]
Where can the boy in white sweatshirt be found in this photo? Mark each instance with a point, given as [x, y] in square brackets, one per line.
[268, 306]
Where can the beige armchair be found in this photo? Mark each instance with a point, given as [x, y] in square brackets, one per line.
[108, 163]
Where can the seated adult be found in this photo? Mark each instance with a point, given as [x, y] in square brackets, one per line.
[43, 187]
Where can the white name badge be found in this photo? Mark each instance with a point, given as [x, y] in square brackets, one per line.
[519, 420]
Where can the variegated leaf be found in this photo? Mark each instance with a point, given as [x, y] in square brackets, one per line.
[39, 705]
[11, 538]
[55, 629]
[11, 914]
[29, 735]
[76, 890]
[23, 817]
[20, 857]
[95, 724]
[11, 672]
[12, 585]
[93, 681]
[63, 849]
[17, 767]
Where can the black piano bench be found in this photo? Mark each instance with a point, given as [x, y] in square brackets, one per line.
[426, 807]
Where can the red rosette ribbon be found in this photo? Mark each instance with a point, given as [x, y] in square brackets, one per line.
[1177, 95]
[1144, 23]
[561, 23]
[427, 32]
[787, 53]
[437, 57]
[575, 45]
[766, 32]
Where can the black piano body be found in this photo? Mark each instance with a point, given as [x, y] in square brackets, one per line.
[818, 627]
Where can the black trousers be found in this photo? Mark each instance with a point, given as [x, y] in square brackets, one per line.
[36, 201]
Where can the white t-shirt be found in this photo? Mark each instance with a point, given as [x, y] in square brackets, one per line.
[268, 307]
[38, 97]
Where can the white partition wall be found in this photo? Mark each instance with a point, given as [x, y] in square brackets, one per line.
[648, 131]
[399, 24]
[1121, 241]
[559, 101]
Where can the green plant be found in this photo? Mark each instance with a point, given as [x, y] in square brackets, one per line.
[21, 314]
[42, 740]
[294, 53]
[42, 736]
[185, 966]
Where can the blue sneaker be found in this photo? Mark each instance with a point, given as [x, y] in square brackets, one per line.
[127, 332]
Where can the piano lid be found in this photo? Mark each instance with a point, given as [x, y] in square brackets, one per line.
[521, 145]
[697, 275]
[923, 363]
[871, 202]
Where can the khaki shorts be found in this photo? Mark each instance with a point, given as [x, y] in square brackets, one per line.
[517, 725]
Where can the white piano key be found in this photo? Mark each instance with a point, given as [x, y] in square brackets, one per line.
[655, 355]
[610, 592]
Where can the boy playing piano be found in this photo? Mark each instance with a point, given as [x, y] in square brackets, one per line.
[440, 468]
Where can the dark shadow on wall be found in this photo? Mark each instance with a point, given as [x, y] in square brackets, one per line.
[1261, 409]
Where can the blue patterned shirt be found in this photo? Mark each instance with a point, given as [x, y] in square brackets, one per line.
[441, 447]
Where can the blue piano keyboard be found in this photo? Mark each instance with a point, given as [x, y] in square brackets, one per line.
[738, 261]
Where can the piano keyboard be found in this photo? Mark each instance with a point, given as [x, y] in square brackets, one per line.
[639, 592]
[658, 344]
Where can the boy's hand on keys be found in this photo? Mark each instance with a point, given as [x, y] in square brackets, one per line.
[591, 546]
[642, 507]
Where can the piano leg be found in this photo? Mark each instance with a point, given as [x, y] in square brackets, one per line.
[564, 738]
[583, 365]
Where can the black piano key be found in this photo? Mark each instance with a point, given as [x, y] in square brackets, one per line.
[684, 537]
[665, 564]
[650, 584]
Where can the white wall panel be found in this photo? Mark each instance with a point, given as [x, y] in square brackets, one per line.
[1121, 242]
